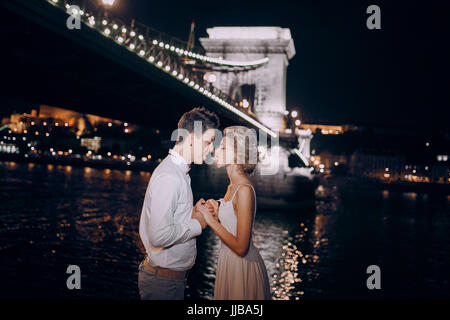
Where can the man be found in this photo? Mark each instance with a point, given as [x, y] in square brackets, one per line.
[169, 223]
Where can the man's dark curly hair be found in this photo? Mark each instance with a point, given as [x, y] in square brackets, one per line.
[208, 119]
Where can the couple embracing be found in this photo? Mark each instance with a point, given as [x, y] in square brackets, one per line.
[170, 222]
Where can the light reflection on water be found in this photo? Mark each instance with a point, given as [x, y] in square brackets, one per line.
[52, 216]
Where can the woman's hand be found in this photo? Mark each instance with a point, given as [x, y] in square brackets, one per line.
[213, 207]
[207, 215]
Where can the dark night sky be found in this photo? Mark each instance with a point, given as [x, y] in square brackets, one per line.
[342, 72]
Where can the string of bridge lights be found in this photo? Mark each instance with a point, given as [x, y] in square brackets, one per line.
[105, 28]
[166, 46]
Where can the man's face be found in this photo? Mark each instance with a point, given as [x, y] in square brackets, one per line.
[203, 145]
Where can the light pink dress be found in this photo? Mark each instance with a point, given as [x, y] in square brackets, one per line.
[239, 278]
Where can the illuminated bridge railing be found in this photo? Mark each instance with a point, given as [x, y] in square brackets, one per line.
[167, 54]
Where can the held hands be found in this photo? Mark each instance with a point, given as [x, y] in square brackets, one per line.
[210, 211]
[196, 214]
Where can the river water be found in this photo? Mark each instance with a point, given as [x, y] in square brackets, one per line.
[53, 216]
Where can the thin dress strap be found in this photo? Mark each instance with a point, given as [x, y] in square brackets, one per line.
[244, 184]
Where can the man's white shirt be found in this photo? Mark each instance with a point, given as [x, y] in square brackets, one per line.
[167, 228]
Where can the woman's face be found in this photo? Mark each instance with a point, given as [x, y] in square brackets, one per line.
[224, 155]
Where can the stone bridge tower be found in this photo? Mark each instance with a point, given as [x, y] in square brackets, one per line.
[264, 87]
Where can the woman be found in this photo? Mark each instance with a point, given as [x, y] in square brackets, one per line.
[241, 273]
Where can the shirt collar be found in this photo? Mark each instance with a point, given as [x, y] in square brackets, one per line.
[179, 160]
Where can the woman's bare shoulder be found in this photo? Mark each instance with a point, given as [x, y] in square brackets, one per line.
[244, 195]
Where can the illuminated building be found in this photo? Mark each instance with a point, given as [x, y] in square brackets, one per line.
[328, 129]
[58, 117]
[93, 144]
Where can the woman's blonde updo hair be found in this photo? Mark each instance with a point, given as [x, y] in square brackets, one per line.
[245, 147]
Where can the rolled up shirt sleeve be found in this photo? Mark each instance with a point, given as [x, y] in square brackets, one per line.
[161, 208]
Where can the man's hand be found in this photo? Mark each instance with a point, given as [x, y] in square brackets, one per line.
[197, 215]
[199, 203]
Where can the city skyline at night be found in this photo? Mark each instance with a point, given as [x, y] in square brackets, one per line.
[379, 68]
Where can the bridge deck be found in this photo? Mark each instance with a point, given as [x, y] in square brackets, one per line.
[88, 72]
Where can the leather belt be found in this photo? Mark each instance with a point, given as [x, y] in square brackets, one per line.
[168, 273]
